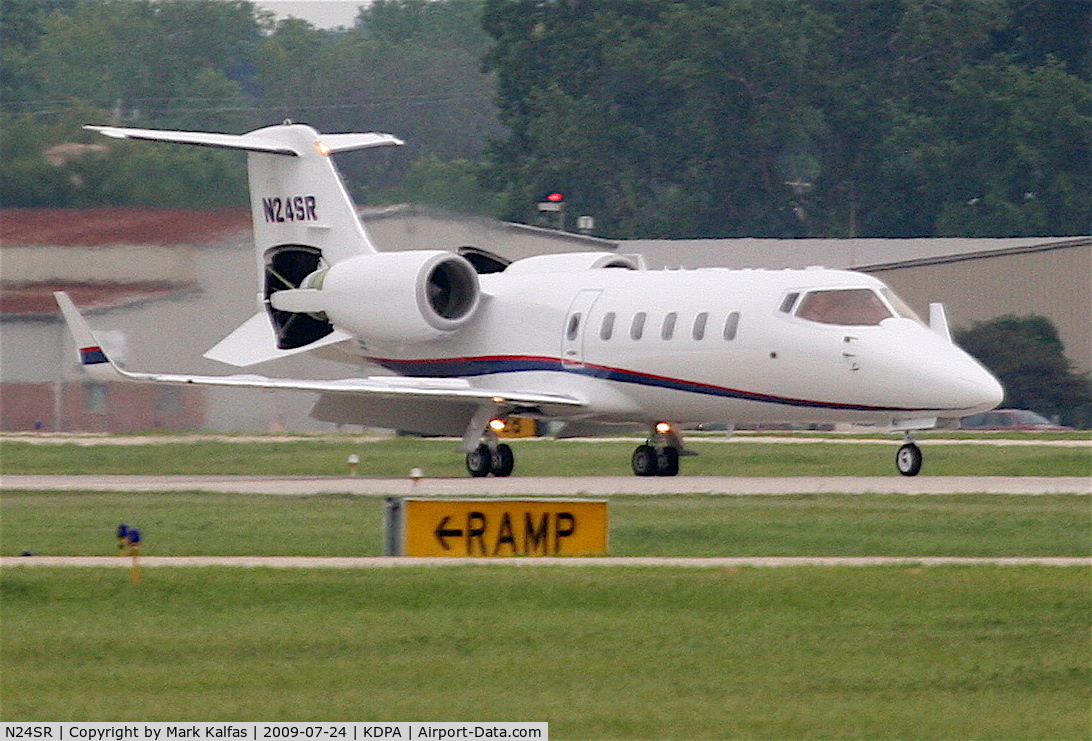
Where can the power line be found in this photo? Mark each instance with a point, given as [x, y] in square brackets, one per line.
[46, 107]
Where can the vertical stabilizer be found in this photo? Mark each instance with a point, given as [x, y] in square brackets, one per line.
[297, 197]
[304, 219]
[302, 200]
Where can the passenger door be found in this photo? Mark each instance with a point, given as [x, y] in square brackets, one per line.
[576, 322]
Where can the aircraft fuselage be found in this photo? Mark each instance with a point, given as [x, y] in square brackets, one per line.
[709, 345]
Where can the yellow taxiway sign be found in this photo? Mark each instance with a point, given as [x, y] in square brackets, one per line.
[525, 527]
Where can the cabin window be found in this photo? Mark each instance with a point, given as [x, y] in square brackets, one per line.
[845, 307]
[574, 327]
[606, 331]
[667, 331]
[789, 302]
[699, 325]
[731, 326]
[637, 329]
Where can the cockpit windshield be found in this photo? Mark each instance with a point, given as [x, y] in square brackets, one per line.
[844, 306]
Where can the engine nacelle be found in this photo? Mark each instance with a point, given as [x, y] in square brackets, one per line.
[397, 297]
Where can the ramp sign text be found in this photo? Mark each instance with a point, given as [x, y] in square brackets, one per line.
[503, 528]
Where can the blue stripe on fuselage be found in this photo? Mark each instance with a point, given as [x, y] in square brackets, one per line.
[488, 365]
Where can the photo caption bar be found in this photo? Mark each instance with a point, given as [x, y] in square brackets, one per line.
[273, 731]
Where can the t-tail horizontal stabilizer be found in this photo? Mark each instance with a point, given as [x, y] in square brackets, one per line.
[264, 141]
[297, 196]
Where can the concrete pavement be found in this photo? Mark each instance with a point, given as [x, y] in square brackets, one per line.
[380, 562]
[558, 485]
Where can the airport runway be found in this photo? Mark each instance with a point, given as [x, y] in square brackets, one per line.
[381, 562]
[559, 485]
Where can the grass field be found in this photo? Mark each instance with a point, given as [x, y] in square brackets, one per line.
[875, 653]
[440, 457]
[623, 653]
[175, 524]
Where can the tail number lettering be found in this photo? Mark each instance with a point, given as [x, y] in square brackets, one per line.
[290, 208]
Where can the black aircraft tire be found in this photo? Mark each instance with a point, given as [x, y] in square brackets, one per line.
[503, 461]
[644, 461]
[667, 461]
[479, 462]
[908, 459]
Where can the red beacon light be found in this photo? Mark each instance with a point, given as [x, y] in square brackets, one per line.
[555, 197]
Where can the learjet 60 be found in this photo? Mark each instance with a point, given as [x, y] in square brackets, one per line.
[591, 341]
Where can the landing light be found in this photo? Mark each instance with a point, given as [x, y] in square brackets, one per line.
[497, 424]
[663, 427]
[323, 148]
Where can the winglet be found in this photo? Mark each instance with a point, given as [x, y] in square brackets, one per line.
[92, 357]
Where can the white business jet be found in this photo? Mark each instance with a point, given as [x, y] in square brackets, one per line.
[591, 340]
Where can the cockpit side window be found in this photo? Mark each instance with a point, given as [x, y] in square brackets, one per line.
[901, 307]
[847, 306]
[789, 301]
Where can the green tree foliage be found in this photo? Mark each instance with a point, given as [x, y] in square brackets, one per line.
[452, 185]
[1027, 356]
[172, 62]
[696, 118]
[1039, 117]
[646, 113]
[796, 118]
[408, 66]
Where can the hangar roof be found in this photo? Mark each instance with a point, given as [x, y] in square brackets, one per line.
[27, 292]
[92, 227]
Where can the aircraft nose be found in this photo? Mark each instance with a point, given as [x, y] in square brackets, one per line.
[947, 378]
[979, 391]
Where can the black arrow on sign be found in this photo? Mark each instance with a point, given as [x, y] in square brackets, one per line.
[445, 532]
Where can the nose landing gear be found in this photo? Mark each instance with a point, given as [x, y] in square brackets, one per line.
[908, 459]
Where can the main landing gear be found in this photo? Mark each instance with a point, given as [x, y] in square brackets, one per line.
[659, 456]
[489, 456]
[485, 459]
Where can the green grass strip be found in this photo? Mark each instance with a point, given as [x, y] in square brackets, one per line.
[184, 524]
[975, 652]
[440, 458]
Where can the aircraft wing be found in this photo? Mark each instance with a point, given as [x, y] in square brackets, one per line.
[96, 362]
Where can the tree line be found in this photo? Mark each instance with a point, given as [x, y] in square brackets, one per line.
[1028, 357]
[700, 118]
[410, 67]
[816, 118]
